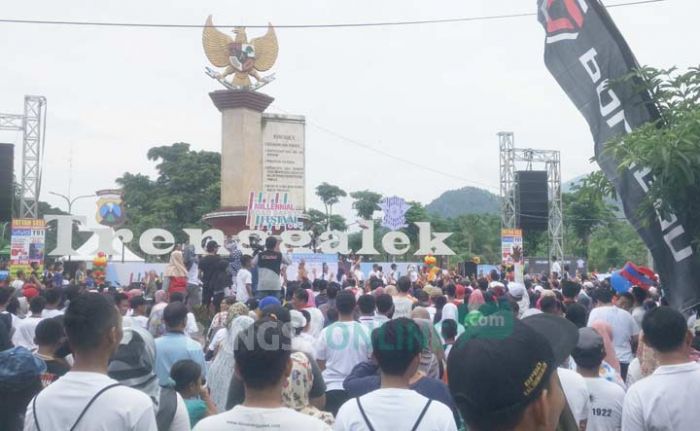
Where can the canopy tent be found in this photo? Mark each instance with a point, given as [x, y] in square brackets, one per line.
[89, 250]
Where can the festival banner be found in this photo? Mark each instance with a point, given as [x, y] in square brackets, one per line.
[313, 262]
[268, 211]
[27, 245]
[511, 246]
[585, 51]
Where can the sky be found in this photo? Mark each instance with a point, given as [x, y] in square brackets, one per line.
[436, 95]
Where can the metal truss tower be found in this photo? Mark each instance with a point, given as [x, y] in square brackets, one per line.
[32, 125]
[509, 199]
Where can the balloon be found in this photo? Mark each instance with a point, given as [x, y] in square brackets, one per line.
[619, 283]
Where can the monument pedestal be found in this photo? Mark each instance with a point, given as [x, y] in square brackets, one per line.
[241, 155]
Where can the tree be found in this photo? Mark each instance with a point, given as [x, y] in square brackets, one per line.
[187, 187]
[366, 203]
[317, 222]
[584, 210]
[330, 195]
[670, 146]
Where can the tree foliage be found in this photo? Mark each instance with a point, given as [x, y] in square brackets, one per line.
[670, 146]
[330, 195]
[366, 203]
[187, 187]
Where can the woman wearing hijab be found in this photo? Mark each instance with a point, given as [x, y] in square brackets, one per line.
[449, 312]
[133, 365]
[432, 358]
[176, 274]
[295, 392]
[222, 368]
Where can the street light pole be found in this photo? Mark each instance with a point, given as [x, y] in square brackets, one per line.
[70, 203]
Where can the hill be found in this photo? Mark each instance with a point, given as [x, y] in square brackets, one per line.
[467, 200]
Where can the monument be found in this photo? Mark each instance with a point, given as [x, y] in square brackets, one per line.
[260, 153]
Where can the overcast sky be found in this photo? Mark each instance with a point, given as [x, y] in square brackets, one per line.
[435, 94]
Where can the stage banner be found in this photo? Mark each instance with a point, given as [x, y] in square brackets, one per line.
[274, 210]
[27, 245]
[584, 51]
[512, 251]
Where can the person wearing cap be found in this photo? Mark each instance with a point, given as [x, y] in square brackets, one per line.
[606, 398]
[506, 382]
[209, 266]
[396, 347]
[519, 294]
[667, 399]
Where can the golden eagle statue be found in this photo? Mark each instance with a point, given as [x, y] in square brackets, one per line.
[240, 57]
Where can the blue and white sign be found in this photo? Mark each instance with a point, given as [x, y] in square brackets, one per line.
[394, 209]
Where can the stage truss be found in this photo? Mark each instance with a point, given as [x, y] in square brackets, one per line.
[509, 155]
[32, 125]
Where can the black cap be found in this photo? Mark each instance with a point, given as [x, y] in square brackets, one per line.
[590, 349]
[493, 375]
[212, 246]
[561, 334]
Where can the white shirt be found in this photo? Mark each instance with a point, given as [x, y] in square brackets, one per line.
[191, 328]
[623, 329]
[25, 330]
[665, 400]
[638, 315]
[304, 343]
[342, 345]
[556, 268]
[17, 284]
[51, 313]
[402, 307]
[242, 418]
[394, 409]
[181, 420]
[243, 278]
[359, 276]
[118, 408]
[218, 337]
[141, 321]
[606, 405]
[317, 321]
[193, 275]
[576, 393]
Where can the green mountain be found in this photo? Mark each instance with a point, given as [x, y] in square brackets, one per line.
[467, 200]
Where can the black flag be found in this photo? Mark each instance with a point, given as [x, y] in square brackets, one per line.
[584, 50]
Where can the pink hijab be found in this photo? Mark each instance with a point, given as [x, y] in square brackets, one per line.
[312, 299]
[605, 330]
[476, 300]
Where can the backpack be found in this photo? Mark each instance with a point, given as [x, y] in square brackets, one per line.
[166, 408]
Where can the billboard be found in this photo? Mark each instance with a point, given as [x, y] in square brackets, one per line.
[27, 244]
[283, 156]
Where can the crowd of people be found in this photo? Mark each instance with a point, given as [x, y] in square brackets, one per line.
[230, 343]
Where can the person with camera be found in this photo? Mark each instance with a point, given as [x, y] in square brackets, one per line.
[269, 264]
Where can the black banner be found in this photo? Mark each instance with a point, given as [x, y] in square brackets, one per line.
[584, 50]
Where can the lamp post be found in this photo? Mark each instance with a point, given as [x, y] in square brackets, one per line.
[70, 203]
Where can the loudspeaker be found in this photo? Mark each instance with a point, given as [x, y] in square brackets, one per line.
[7, 162]
[470, 269]
[533, 199]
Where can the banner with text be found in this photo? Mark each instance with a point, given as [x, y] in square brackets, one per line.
[273, 211]
[284, 162]
[585, 51]
[27, 245]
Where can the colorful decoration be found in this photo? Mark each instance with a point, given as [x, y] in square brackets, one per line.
[394, 209]
[99, 268]
[430, 260]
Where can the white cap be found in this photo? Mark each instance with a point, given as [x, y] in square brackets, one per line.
[516, 290]
[298, 320]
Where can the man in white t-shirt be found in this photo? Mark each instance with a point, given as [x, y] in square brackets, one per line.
[556, 267]
[53, 302]
[339, 348]
[26, 328]
[86, 399]
[606, 398]
[396, 346]
[625, 331]
[403, 303]
[244, 281]
[263, 361]
[577, 395]
[667, 399]
[18, 282]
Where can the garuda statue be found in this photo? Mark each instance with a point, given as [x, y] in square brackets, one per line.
[239, 56]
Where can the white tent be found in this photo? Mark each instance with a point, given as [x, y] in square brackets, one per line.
[89, 250]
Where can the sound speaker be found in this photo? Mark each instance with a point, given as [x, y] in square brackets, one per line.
[470, 269]
[6, 180]
[533, 198]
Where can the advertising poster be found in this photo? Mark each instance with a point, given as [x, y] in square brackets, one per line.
[27, 245]
[512, 251]
[273, 211]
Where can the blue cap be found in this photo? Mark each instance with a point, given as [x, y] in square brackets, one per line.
[268, 300]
